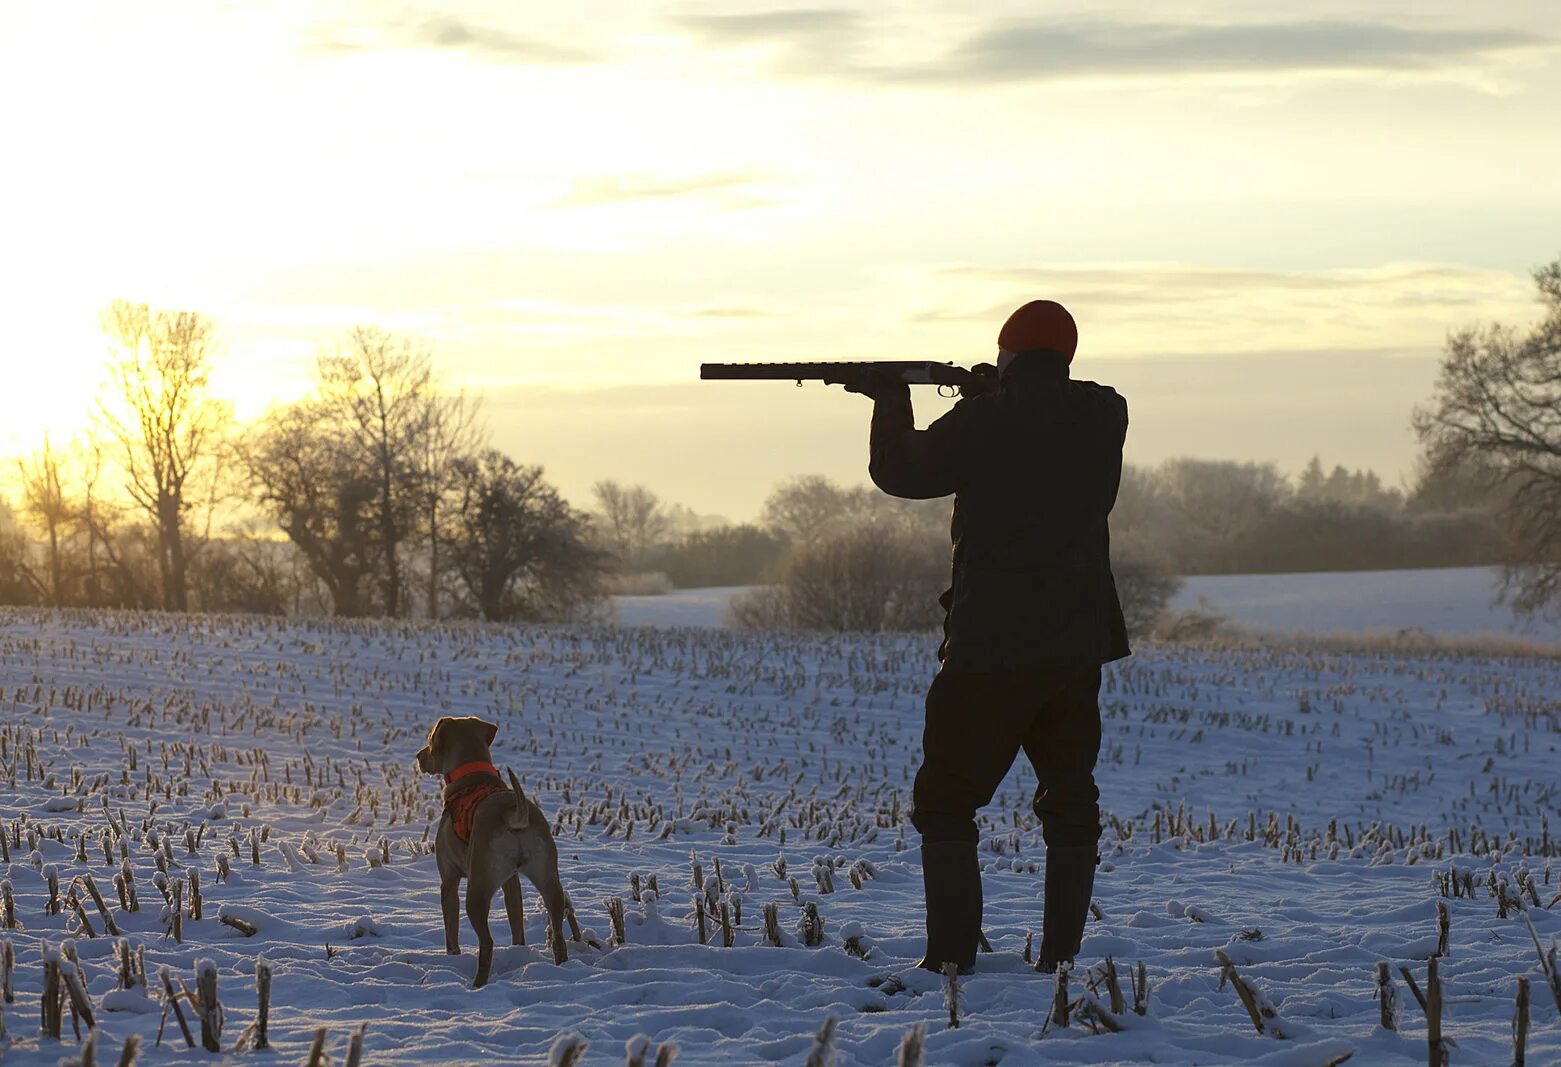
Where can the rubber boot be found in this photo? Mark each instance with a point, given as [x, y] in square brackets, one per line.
[1070, 879]
[952, 877]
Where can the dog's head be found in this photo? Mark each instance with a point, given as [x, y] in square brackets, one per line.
[454, 741]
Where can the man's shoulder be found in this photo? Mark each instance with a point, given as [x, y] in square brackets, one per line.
[1084, 385]
[1097, 395]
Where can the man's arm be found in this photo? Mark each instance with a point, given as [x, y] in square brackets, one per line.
[907, 462]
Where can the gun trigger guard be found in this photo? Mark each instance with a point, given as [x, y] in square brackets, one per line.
[952, 391]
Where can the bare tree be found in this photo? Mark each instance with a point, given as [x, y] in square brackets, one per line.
[166, 422]
[633, 519]
[379, 392]
[1216, 501]
[323, 493]
[95, 518]
[453, 432]
[520, 550]
[806, 507]
[45, 503]
[1497, 410]
[18, 584]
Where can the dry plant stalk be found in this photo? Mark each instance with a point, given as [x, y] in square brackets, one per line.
[1520, 1022]
[263, 993]
[823, 1051]
[951, 972]
[1264, 1019]
[178, 1012]
[317, 1056]
[1059, 1013]
[1387, 997]
[207, 1006]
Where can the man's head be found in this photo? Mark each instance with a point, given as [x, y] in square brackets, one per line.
[1040, 324]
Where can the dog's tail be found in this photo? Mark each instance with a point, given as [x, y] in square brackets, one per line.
[520, 818]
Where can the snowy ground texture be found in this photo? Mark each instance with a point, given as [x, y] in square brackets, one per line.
[1451, 600]
[1304, 812]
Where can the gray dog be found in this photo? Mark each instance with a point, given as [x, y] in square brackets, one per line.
[490, 834]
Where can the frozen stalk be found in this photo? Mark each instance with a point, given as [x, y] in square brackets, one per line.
[263, 993]
[567, 1050]
[355, 1046]
[1520, 1023]
[207, 1005]
[1387, 997]
[951, 972]
[1059, 1015]
[823, 1051]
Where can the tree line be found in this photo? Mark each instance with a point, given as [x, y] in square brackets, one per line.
[377, 493]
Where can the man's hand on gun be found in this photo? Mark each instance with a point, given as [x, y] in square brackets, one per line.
[877, 383]
[880, 382]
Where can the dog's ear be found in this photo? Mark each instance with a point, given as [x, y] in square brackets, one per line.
[490, 729]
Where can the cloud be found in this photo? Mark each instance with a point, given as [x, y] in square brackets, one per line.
[731, 313]
[1147, 308]
[821, 42]
[1051, 51]
[623, 189]
[833, 44]
[770, 25]
[1180, 285]
[447, 32]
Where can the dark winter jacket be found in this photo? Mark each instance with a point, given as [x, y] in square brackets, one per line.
[1034, 468]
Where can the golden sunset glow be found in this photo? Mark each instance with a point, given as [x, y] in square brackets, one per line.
[574, 205]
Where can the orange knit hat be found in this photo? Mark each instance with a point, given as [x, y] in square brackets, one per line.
[1040, 324]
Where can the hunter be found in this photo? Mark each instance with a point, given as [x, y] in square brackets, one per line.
[1031, 616]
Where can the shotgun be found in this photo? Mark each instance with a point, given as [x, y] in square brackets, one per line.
[949, 379]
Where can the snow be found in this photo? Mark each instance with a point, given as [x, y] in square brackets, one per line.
[1331, 781]
[1453, 600]
[684, 607]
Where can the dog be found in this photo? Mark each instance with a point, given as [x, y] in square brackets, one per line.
[490, 834]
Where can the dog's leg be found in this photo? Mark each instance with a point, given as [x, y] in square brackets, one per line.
[515, 908]
[450, 906]
[545, 877]
[479, 900]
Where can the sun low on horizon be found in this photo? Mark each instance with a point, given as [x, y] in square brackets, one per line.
[1266, 224]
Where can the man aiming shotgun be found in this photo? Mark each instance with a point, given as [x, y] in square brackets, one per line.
[1032, 614]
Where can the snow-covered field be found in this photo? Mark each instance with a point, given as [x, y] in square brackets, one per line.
[1454, 600]
[1301, 811]
[1450, 600]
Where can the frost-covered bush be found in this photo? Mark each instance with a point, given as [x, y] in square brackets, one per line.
[868, 575]
[1145, 582]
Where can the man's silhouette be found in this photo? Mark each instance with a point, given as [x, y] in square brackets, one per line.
[1031, 616]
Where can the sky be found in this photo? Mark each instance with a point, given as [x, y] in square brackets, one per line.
[1265, 218]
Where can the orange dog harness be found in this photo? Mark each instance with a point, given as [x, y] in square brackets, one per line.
[460, 801]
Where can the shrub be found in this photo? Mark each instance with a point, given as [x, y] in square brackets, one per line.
[725, 555]
[1145, 582]
[864, 576]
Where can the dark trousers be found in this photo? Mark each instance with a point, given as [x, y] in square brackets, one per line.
[976, 725]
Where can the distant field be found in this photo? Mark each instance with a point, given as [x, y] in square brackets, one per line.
[1446, 601]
